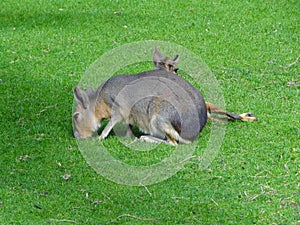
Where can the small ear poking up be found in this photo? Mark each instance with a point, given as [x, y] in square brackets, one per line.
[81, 97]
[157, 57]
[90, 91]
[176, 58]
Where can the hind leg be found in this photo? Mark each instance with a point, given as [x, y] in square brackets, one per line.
[163, 128]
[229, 115]
[212, 109]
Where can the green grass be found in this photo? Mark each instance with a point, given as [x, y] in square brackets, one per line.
[252, 47]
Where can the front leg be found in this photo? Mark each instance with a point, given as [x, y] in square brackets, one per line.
[109, 127]
[151, 139]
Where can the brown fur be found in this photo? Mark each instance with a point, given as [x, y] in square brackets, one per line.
[102, 110]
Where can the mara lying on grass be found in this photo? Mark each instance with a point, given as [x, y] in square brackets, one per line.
[162, 104]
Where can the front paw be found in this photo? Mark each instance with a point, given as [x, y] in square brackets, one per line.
[100, 137]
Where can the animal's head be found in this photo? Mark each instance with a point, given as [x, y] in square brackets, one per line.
[165, 63]
[85, 123]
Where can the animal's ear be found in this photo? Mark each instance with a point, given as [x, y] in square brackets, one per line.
[157, 57]
[176, 58]
[81, 97]
[90, 92]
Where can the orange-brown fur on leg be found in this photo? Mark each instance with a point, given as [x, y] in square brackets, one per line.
[229, 116]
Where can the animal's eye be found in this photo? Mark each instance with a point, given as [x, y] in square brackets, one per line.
[161, 65]
[76, 116]
[172, 68]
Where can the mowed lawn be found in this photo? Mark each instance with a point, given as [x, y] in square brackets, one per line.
[251, 47]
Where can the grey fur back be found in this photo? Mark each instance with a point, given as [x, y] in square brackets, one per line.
[173, 99]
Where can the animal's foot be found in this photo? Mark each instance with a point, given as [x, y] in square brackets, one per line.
[249, 116]
[151, 139]
[100, 137]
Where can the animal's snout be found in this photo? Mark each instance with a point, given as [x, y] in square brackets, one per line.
[83, 137]
[77, 136]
